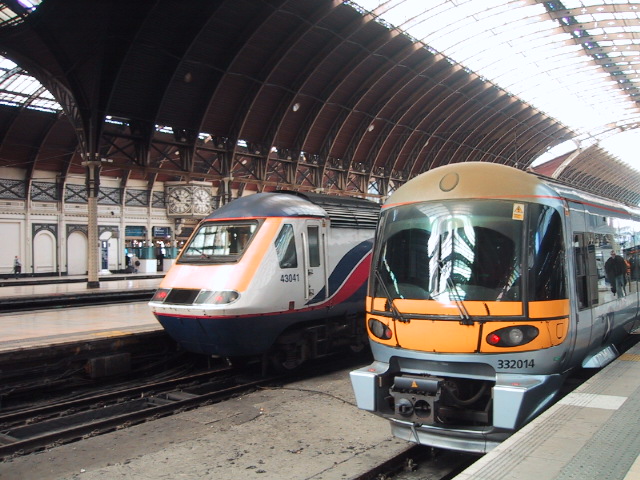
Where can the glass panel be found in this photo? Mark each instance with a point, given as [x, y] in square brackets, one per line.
[314, 246]
[450, 251]
[17, 88]
[219, 242]
[550, 60]
[286, 247]
[547, 280]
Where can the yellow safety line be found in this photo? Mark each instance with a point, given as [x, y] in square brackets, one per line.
[631, 357]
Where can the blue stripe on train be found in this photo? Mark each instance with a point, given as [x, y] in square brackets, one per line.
[343, 269]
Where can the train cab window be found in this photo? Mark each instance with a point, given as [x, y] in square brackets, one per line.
[286, 247]
[546, 258]
[219, 242]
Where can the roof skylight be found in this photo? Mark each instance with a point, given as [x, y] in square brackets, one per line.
[19, 89]
[576, 60]
[17, 11]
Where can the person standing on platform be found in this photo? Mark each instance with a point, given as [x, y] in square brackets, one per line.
[615, 269]
[17, 267]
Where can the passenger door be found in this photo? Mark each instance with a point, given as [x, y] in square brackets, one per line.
[584, 270]
[314, 272]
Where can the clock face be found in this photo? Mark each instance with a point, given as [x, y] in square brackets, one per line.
[179, 200]
[201, 201]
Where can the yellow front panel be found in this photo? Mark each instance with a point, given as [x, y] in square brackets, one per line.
[434, 307]
[437, 336]
[473, 308]
[549, 309]
[449, 336]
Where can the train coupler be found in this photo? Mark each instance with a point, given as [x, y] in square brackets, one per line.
[416, 398]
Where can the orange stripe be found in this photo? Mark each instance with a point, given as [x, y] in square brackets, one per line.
[452, 337]
[253, 257]
[542, 309]
[226, 276]
[474, 308]
[503, 197]
[435, 307]
[549, 308]
[553, 197]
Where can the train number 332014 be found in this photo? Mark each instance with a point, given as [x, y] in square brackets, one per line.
[505, 364]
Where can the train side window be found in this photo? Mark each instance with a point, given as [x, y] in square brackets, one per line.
[286, 247]
[313, 233]
[547, 277]
[586, 269]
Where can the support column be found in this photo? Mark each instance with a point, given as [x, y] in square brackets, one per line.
[93, 251]
[226, 195]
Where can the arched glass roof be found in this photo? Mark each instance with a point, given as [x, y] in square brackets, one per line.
[576, 60]
[19, 89]
[16, 12]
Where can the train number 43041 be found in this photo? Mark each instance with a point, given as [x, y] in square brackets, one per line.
[526, 363]
[290, 277]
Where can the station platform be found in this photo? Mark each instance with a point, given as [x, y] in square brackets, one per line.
[26, 330]
[592, 433]
[9, 280]
[32, 292]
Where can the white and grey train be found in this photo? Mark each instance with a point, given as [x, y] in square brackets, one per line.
[280, 275]
[487, 288]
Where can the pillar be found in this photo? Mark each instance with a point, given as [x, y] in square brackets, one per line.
[93, 252]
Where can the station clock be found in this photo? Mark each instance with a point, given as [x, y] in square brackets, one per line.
[201, 200]
[188, 200]
[179, 200]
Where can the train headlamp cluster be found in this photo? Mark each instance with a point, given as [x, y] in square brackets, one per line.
[379, 329]
[160, 295]
[202, 297]
[513, 336]
[211, 297]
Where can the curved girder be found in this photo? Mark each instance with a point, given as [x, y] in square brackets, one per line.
[320, 94]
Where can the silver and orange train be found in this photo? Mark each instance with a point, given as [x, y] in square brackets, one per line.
[280, 275]
[487, 287]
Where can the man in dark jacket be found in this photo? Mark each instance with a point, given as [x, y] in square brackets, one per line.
[615, 269]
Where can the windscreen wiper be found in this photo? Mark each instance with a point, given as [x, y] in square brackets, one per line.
[453, 289]
[394, 311]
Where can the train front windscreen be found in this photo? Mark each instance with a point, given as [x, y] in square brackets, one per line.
[478, 250]
[219, 242]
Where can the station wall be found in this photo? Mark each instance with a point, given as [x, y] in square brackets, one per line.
[46, 225]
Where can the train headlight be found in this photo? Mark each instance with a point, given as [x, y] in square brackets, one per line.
[216, 297]
[160, 295]
[512, 336]
[379, 329]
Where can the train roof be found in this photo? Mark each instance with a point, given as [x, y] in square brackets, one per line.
[474, 180]
[343, 212]
[604, 205]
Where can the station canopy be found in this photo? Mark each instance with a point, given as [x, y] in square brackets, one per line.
[575, 62]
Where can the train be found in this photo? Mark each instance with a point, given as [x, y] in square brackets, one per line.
[484, 294]
[279, 276]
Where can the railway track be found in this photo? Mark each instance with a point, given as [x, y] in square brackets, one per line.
[419, 462]
[25, 431]
[29, 377]
[33, 429]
